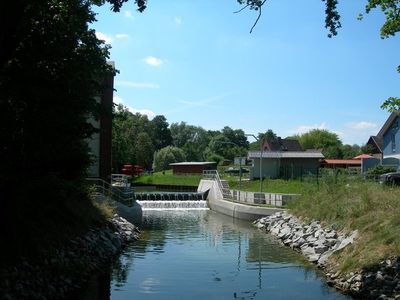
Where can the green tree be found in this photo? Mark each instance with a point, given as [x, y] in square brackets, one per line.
[236, 136]
[192, 139]
[126, 130]
[222, 146]
[144, 150]
[328, 142]
[319, 139]
[122, 138]
[165, 156]
[350, 151]
[52, 68]
[160, 133]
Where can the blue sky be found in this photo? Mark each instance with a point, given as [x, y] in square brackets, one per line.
[195, 61]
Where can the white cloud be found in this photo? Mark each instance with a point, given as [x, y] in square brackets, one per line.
[178, 20]
[104, 37]
[122, 36]
[362, 125]
[137, 85]
[306, 128]
[128, 14]
[118, 100]
[149, 113]
[153, 61]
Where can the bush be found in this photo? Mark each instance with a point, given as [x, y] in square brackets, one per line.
[167, 155]
[215, 157]
[379, 170]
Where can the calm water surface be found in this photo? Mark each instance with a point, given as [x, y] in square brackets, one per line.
[205, 255]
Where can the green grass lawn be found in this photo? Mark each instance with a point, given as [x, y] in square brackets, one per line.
[166, 177]
[269, 185]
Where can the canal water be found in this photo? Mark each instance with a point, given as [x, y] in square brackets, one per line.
[199, 254]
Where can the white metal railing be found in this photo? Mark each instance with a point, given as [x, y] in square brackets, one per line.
[274, 199]
[106, 189]
[213, 175]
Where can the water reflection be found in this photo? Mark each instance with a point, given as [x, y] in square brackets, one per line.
[201, 254]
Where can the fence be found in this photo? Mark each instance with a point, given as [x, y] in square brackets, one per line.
[274, 199]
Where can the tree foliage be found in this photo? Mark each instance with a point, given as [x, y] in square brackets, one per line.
[160, 132]
[52, 68]
[192, 139]
[135, 137]
[166, 156]
[144, 150]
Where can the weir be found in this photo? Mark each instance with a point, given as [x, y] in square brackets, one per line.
[173, 204]
[170, 196]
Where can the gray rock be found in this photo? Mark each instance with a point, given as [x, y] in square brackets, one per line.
[324, 259]
[321, 249]
[314, 258]
[308, 251]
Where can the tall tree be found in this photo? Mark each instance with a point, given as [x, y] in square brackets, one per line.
[144, 150]
[192, 139]
[160, 133]
[127, 127]
[236, 136]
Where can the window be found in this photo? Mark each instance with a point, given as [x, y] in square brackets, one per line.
[393, 143]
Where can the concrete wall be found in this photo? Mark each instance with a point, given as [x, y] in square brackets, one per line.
[211, 185]
[229, 208]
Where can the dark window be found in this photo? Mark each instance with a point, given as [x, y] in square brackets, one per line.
[393, 143]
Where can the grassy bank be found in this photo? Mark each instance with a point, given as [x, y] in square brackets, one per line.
[371, 208]
[166, 177]
[268, 185]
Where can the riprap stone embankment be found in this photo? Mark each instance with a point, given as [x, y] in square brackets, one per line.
[63, 271]
[318, 243]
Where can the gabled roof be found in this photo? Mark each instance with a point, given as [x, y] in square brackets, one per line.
[387, 124]
[278, 144]
[376, 142]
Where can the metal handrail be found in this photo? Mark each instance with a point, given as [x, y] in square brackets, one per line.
[104, 188]
[213, 174]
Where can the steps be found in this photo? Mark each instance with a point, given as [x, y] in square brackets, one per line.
[226, 191]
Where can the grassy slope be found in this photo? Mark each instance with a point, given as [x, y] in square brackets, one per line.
[371, 208]
[168, 178]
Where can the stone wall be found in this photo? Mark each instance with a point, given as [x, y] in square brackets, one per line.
[62, 272]
[317, 243]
